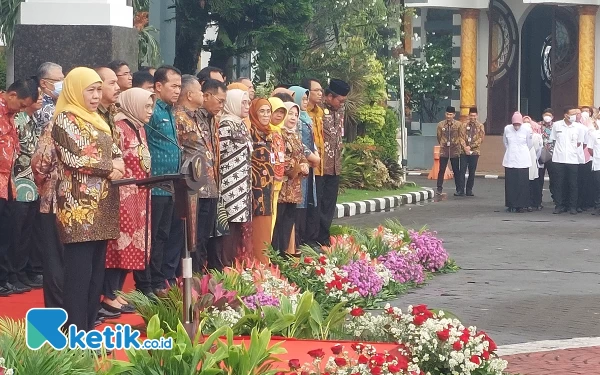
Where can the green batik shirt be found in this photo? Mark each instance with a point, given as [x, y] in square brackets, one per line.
[29, 134]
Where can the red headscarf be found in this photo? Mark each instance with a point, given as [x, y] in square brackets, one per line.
[254, 116]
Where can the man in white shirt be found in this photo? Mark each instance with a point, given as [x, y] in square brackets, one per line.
[569, 138]
[593, 144]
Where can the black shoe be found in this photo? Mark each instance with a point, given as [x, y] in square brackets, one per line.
[97, 323]
[127, 309]
[36, 282]
[573, 211]
[557, 211]
[7, 290]
[439, 191]
[20, 287]
[470, 194]
[579, 210]
[104, 313]
[161, 292]
[520, 210]
[529, 209]
[459, 194]
[151, 296]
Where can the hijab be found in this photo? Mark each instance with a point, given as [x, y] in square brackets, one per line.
[300, 93]
[232, 110]
[71, 98]
[133, 105]
[276, 104]
[289, 106]
[254, 119]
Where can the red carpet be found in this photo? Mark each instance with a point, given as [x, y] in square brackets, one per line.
[16, 307]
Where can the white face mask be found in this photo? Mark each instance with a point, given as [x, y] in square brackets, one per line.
[572, 118]
[58, 86]
[585, 115]
[547, 119]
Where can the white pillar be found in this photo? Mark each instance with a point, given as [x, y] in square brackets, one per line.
[76, 12]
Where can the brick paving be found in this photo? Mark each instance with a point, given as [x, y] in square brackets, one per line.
[559, 362]
[524, 277]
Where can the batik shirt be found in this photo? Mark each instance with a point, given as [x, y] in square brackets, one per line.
[263, 175]
[546, 131]
[451, 137]
[87, 203]
[162, 141]
[333, 128]
[196, 134]
[291, 191]
[9, 148]
[29, 134]
[43, 116]
[474, 133]
[235, 167]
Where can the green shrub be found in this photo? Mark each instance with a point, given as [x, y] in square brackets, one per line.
[362, 169]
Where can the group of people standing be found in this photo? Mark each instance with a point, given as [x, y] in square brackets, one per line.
[568, 148]
[460, 144]
[269, 175]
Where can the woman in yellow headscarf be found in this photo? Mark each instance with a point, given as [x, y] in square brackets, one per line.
[87, 204]
[278, 114]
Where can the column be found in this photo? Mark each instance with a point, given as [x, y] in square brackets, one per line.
[408, 32]
[587, 34]
[468, 59]
[73, 33]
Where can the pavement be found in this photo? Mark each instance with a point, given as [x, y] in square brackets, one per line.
[525, 278]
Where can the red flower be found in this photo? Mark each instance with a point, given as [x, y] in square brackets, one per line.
[337, 349]
[457, 346]
[280, 373]
[294, 364]
[403, 363]
[376, 370]
[485, 355]
[378, 359]
[466, 335]
[444, 334]
[362, 359]
[320, 271]
[475, 359]
[419, 309]
[419, 320]
[323, 259]
[316, 353]
[390, 310]
[492, 345]
[308, 260]
[357, 311]
[341, 362]
[393, 368]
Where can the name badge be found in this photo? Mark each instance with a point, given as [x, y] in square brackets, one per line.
[448, 144]
[272, 158]
[468, 128]
[342, 131]
[250, 146]
[469, 139]
[281, 157]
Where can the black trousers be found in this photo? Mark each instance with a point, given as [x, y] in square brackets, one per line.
[84, 277]
[23, 256]
[286, 218]
[206, 255]
[565, 188]
[535, 190]
[46, 234]
[313, 214]
[227, 246]
[114, 279]
[174, 249]
[5, 237]
[300, 229]
[459, 181]
[585, 186]
[162, 214]
[468, 162]
[327, 206]
[596, 178]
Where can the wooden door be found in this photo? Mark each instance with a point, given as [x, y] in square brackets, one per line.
[564, 58]
[503, 72]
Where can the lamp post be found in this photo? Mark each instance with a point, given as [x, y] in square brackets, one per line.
[404, 133]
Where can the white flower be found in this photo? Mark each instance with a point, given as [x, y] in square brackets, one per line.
[9, 372]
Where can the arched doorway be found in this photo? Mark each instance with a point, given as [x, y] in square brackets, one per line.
[503, 71]
[549, 60]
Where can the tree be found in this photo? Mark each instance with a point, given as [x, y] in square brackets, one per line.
[429, 80]
[192, 19]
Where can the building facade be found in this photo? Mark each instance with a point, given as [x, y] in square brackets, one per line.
[512, 55]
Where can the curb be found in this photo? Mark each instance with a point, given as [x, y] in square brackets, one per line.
[382, 204]
[486, 176]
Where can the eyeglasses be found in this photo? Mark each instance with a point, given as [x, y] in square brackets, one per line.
[124, 74]
[221, 101]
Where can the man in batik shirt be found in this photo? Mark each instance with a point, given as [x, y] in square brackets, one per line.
[20, 95]
[333, 131]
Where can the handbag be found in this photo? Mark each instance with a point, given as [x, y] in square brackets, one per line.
[545, 156]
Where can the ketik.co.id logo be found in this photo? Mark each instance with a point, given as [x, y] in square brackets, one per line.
[44, 326]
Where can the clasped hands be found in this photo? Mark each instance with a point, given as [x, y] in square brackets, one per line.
[118, 169]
